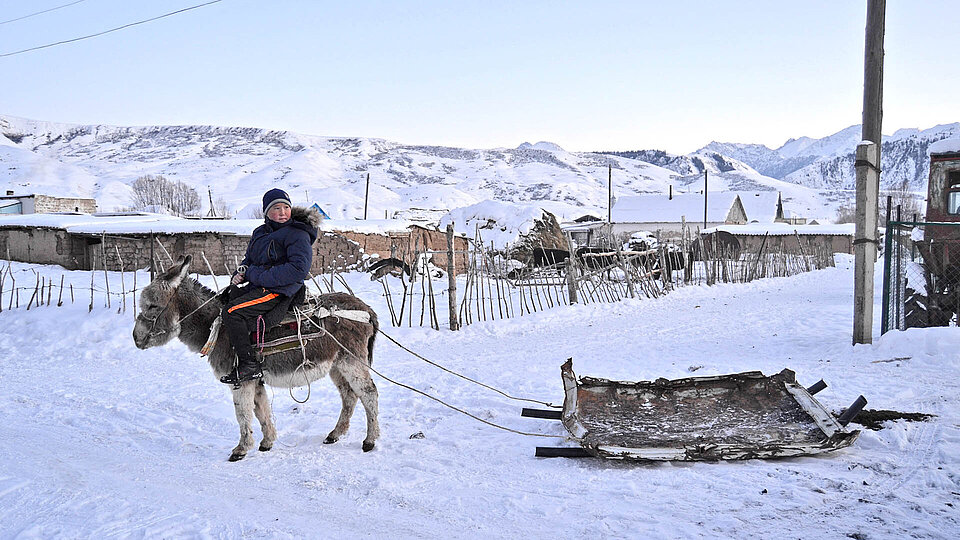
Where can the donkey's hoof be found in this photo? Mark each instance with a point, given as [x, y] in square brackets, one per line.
[236, 457]
[264, 447]
[367, 446]
[330, 440]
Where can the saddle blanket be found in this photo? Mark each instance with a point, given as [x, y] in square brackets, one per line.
[287, 335]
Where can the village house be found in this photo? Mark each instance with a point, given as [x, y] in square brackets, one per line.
[44, 204]
[666, 214]
[132, 240]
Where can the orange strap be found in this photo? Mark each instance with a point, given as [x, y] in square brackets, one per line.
[255, 301]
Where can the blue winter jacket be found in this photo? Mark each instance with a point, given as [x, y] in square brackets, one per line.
[279, 255]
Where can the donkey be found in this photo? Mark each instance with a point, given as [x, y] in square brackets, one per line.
[177, 306]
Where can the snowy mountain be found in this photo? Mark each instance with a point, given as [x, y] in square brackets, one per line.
[827, 163]
[239, 164]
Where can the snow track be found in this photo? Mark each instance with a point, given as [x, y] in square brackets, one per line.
[103, 440]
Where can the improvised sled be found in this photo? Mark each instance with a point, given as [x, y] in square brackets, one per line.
[724, 417]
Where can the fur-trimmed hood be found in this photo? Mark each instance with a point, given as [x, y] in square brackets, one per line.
[305, 219]
[308, 216]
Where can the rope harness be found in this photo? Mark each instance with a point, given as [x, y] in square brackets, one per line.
[316, 316]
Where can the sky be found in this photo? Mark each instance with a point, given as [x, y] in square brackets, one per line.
[598, 75]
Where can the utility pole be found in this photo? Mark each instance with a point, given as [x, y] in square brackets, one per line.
[868, 175]
[705, 174]
[610, 197]
[212, 212]
[366, 197]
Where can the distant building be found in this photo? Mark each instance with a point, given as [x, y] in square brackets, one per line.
[665, 214]
[323, 215]
[44, 204]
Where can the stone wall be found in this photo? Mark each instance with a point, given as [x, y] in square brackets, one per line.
[43, 246]
[333, 249]
[837, 243]
[44, 204]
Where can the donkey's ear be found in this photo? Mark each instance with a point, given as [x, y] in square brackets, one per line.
[179, 271]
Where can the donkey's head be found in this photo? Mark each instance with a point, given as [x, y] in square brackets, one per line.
[159, 319]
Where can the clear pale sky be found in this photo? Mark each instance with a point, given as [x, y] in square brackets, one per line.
[588, 75]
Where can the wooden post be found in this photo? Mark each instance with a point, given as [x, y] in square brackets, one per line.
[705, 174]
[865, 242]
[451, 280]
[610, 197]
[366, 197]
[868, 175]
[153, 258]
[123, 286]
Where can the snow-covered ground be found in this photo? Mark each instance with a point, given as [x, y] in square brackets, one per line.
[100, 439]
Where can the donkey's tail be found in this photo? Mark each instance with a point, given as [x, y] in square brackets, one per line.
[373, 336]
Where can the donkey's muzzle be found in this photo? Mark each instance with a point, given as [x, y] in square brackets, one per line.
[140, 339]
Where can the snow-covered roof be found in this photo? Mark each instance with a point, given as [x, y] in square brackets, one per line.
[782, 229]
[159, 223]
[760, 206]
[945, 146]
[511, 221]
[660, 208]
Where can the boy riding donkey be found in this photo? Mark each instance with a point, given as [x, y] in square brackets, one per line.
[275, 266]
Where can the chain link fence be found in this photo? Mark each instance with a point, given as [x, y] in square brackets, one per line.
[921, 280]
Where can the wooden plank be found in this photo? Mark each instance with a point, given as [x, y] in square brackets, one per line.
[562, 451]
[542, 413]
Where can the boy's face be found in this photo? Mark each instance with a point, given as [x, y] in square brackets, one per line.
[279, 212]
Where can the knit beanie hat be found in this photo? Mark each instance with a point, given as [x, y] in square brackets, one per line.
[273, 197]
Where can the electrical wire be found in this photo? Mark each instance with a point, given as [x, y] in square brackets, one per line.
[110, 30]
[41, 12]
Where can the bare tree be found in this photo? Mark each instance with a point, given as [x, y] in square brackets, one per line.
[221, 208]
[910, 203]
[177, 197]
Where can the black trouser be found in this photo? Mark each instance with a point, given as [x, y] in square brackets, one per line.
[240, 315]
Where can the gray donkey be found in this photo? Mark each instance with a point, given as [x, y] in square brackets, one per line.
[177, 306]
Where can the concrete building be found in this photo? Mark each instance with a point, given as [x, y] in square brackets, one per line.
[44, 204]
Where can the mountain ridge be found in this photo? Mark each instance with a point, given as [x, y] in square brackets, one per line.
[240, 163]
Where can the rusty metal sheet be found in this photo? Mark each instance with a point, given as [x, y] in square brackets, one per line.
[738, 416]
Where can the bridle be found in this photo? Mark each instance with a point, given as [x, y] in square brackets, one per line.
[153, 321]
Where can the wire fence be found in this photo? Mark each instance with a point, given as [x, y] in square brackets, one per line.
[921, 285]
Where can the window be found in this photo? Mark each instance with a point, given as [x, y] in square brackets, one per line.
[15, 207]
[953, 192]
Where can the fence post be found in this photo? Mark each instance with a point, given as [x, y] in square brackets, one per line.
[572, 281]
[153, 258]
[451, 280]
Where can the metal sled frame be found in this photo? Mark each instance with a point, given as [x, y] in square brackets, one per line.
[725, 417]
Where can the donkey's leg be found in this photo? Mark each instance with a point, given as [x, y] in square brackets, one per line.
[243, 399]
[358, 376]
[348, 399]
[261, 407]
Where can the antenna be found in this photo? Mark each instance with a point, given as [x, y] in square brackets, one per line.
[212, 212]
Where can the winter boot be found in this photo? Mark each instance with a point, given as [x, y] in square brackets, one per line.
[247, 368]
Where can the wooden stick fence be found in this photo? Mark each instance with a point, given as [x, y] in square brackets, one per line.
[490, 289]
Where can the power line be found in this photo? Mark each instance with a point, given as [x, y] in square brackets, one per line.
[40, 12]
[110, 30]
